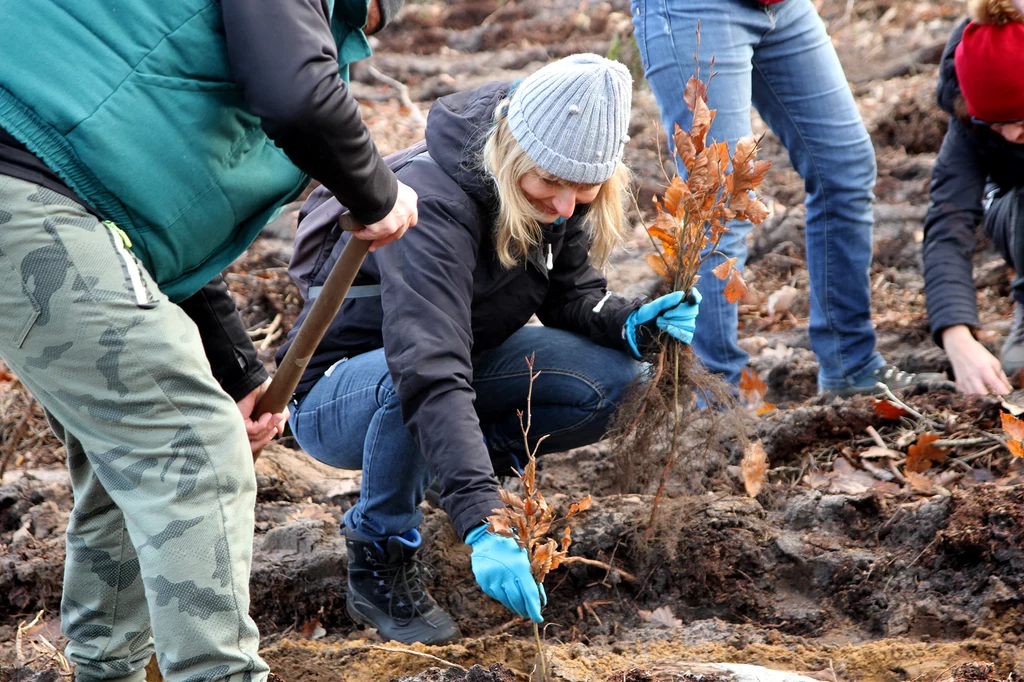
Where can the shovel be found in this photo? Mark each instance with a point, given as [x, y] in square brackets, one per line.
[319, 318]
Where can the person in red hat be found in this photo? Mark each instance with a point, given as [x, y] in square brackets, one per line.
[978, 178]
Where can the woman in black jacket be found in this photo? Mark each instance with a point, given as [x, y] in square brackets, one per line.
[521, 190]
[978, 178]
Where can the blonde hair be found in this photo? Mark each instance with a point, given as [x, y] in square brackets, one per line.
[518, 228]
[993, 11]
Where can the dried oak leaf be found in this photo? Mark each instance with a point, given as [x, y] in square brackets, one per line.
[923, 454]
[1013, 427]
[755, 468]
[722, 270]
[752, 388]
[685, 147]
[675, 195]
[735, 289]
[886, 409]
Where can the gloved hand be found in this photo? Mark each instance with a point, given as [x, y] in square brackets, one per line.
[502, 569]
[671, 314]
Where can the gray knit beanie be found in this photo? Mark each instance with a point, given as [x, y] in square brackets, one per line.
[572, 115]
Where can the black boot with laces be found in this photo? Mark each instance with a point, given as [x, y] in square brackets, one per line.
[386, 591]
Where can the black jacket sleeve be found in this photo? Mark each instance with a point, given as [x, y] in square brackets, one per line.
[285, 60]
[233, 358]
[578, 299]
[950, 232]
[427, 300]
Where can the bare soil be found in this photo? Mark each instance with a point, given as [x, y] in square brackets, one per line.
[844, 566]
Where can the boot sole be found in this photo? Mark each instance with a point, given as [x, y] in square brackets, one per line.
[363, 619]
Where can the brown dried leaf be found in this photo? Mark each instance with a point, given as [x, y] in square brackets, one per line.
[722, 270]
[675, 194]
[887, 409]
[581, 506]
[919, 482]
[923, 454]
[657, 264]
[685, 147]
[1013, 427]
[755, 468]
[735, 289]
[695, 89]
[756, 211]
[702, 119]
[752, 388]
[511, 499]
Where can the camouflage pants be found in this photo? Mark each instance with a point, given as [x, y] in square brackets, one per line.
[159, 544]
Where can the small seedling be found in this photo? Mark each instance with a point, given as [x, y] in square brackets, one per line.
[529, 518]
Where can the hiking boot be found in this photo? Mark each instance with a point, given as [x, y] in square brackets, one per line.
[386, 591]
[891, 376]
[1012, 356]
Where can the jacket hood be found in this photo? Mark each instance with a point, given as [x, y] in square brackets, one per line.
[452, 121]
[948, 89]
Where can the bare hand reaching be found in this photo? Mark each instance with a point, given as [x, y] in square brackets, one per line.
[976, 370]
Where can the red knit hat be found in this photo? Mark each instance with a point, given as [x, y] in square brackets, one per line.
[990, 67]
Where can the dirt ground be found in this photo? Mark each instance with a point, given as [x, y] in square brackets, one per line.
[867, 555]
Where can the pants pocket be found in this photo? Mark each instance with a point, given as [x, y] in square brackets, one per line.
[639, 11]
[20, 309]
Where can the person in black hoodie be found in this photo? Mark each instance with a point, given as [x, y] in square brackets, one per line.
[978, 178]
[521, 190]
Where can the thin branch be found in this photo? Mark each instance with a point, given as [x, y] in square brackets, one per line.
[628, 577]
[401, 88]
[410, 652]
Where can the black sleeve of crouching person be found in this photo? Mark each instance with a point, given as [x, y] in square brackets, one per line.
[232, 355]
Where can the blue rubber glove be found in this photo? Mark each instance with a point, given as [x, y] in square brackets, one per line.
[502, 569]
[672, 315]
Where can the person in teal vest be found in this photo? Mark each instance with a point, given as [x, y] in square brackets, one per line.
[142, 148]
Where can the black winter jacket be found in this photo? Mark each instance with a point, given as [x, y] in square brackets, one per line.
[445, 296]
[970, 156]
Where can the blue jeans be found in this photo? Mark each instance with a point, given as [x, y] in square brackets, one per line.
[352, 417]
[779, 59]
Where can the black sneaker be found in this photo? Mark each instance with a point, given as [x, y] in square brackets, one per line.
[1012, 356]
[386, 591]
[891, 377]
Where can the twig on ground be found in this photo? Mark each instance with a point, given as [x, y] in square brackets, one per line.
[401, 88]
[628, 577]
[410, 652]
[899, 403]
[875, 436]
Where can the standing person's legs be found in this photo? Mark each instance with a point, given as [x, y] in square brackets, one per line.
[667, 39]
[160, 464]
[352, 419]
[575, 396]
[800, 90]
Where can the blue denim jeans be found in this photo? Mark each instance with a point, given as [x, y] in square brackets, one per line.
[779, 59]
[352, 417]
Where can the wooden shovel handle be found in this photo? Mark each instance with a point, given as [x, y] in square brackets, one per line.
[321, 314]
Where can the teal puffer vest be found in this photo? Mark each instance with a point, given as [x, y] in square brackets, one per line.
[133, 104]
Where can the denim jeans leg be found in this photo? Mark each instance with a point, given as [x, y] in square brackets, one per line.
[352, 419]
[667, 40]
[800, 90]
[580, 386]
